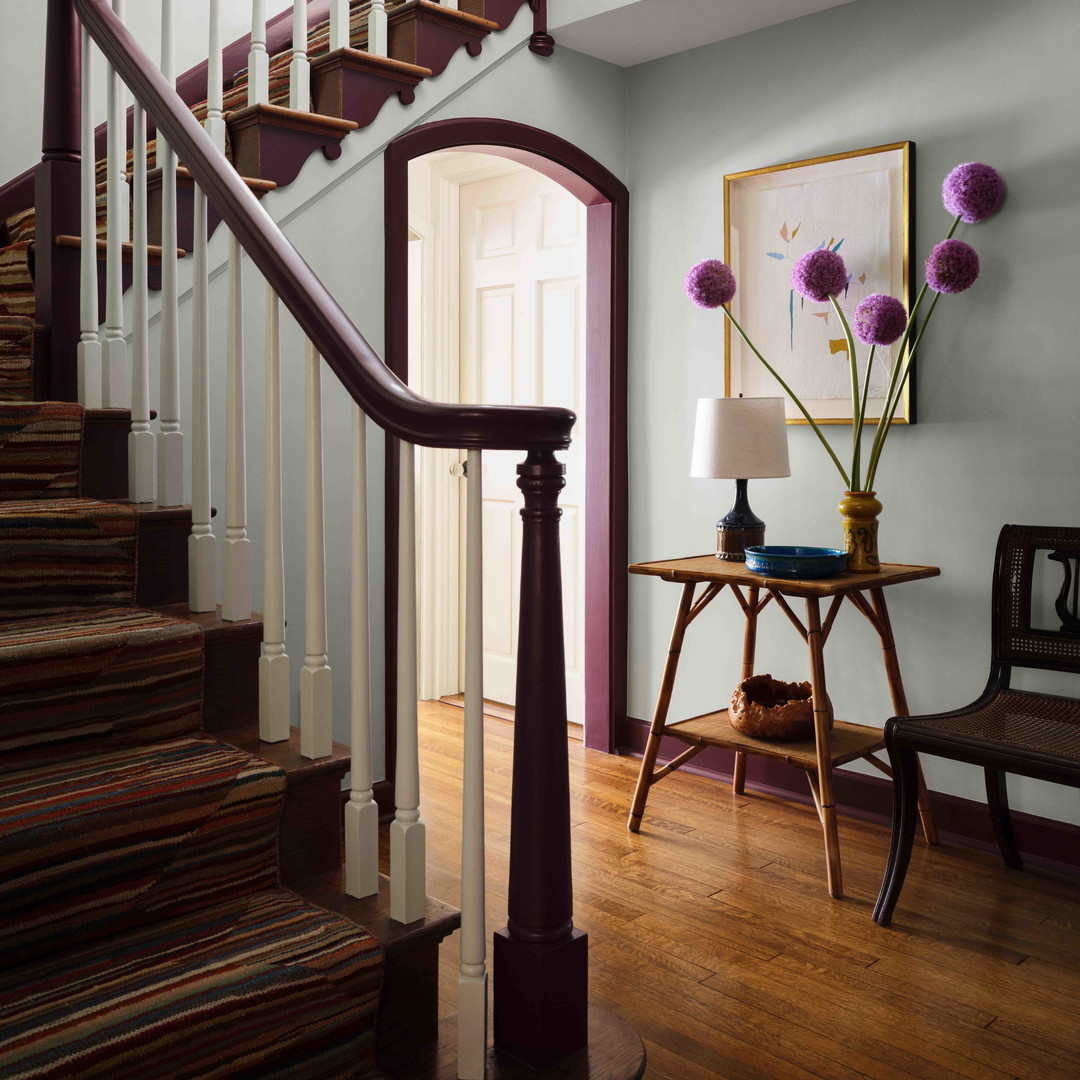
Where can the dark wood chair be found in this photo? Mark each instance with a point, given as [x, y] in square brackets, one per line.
[1005, 730]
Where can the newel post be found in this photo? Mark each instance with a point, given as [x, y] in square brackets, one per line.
[56, 197]
[540, 961]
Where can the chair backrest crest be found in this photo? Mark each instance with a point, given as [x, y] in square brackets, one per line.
[1015, 640]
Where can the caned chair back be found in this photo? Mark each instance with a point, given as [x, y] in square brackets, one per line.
[1015, 641]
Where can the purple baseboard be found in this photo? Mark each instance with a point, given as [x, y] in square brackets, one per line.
[1054, 845]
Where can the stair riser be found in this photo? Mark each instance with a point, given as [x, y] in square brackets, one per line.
[423, 36]
[277, 154]
[340, 90]
[163, 555]
[311, 826]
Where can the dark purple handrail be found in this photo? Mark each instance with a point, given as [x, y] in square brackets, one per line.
[371, 384]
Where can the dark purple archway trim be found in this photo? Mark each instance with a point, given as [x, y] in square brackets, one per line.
[608, 220]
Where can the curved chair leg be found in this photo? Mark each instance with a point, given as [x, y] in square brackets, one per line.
[997, 799]
[905, 806]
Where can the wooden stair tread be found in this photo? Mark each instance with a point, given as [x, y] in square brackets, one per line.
[295, 119]
[127, 250]
[211, 622]
[184, 179]
[327, 890]
[286, 754]
[847, 741]
[437, 13]
[371, 62]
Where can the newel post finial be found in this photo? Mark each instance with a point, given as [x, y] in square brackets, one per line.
[540, 42]
[540, 960]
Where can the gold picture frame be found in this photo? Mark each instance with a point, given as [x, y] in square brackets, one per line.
[858, 203]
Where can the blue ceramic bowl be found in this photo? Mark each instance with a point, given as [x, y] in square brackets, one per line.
[796, 562]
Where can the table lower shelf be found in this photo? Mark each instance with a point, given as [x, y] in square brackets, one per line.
[846, 741]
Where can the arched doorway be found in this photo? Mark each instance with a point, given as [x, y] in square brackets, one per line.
[607, 225]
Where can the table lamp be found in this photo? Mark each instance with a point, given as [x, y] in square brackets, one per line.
[740, 439]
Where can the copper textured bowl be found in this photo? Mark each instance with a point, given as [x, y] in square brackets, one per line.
[765, 708]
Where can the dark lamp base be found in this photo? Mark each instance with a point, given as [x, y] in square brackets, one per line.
[732, 541]
[739, 528]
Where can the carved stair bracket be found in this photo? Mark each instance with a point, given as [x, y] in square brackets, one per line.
[272, 142]
[185, 209]
[426, 34]
[355, 85]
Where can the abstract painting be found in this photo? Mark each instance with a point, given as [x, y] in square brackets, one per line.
[857, 204]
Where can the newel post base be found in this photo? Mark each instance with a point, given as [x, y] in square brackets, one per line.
[542, 1002]
[540, 991]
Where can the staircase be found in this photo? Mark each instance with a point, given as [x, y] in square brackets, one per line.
[173, 901]
[139, 853]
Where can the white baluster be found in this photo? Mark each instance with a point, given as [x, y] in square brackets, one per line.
[236, 554]
[140, 438]
[170, 445]
[472, 981]
[339, 24]
[378, 35]
[258, 57]
[88, 355]
[361, 811]
[274, 694]
[215, 81]
[316, 731]
[202, 544]
[299, 68]
[114, 355]
[408, 887]
[452, 4]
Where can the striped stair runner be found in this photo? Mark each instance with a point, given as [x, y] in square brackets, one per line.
[143, 929]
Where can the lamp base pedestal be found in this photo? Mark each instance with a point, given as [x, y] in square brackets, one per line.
[733, 540]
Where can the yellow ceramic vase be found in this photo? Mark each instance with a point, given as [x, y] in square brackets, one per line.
[860, 512]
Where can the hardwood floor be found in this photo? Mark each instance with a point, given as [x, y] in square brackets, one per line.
[712, 934]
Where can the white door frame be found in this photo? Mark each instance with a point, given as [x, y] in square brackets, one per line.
[435, 374]
[440, 523]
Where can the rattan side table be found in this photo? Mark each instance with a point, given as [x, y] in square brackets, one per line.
[818, 756]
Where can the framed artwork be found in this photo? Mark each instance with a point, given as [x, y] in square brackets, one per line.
[858, 204]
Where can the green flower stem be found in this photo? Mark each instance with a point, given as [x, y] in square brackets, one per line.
[862, 405]
[856, 418]
[886, 418]
[893, 393]
[790, 393]
[879, 436]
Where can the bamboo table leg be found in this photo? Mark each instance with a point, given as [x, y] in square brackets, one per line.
[656, 730]
[826, 799]
[738, 780]
[900, 705]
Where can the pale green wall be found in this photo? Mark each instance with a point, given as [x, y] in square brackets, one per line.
[998, 395]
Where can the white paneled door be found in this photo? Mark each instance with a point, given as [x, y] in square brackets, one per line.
[522, 319]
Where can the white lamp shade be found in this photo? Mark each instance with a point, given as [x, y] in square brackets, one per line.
[740, 438]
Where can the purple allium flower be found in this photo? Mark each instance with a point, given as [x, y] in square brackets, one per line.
[879, 319]
[973, 192]
[819, 274]
[952, 267]
[710, 284]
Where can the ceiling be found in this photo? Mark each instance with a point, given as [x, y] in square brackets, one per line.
[633, 33]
